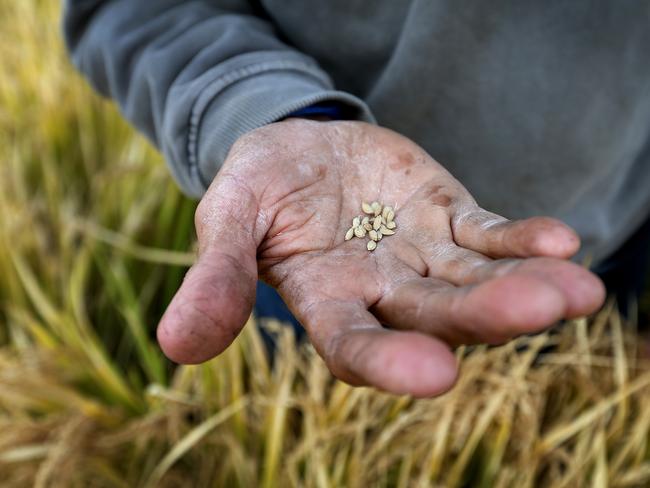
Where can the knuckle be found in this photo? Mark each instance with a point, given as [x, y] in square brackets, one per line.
[243, 143]
[255, 143]
[332, 355]
[200, 216]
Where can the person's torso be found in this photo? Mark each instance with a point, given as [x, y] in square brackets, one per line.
[537, 107]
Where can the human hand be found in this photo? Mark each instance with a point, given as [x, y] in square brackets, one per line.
[452, 273]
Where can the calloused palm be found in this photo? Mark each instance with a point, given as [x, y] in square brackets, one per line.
[452, 273]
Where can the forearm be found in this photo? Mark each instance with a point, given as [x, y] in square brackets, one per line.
[194, 77]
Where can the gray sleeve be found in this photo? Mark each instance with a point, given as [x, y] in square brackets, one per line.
[193, 76]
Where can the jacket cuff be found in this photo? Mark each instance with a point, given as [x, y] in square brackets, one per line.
[249, 98]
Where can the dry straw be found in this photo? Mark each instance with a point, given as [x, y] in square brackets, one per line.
[536, 412]
[86, 268]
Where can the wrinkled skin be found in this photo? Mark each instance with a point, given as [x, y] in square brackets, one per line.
[452, 274]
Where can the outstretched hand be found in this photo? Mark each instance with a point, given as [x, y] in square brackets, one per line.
[452, 274]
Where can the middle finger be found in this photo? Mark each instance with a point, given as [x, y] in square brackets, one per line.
[493, 311]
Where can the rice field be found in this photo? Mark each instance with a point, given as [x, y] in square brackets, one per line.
[94, 240]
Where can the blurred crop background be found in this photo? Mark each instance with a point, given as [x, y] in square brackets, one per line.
[94, 240]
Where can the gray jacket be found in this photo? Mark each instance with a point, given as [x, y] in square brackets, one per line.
[538, 107]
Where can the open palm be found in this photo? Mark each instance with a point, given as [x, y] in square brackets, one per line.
[451, 274]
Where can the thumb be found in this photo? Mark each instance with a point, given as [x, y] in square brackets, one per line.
[217, 295]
